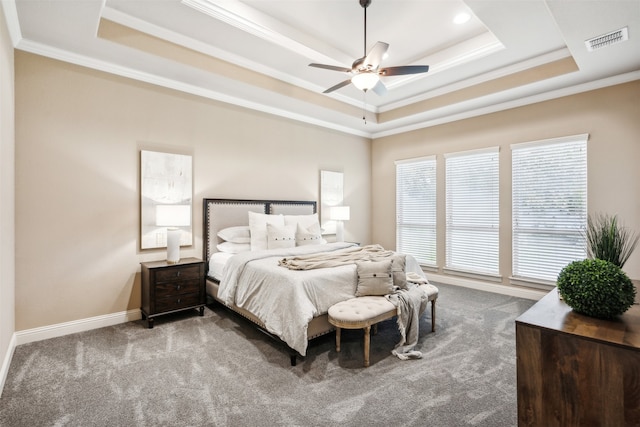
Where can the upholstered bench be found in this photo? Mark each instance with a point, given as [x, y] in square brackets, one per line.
[366, 311]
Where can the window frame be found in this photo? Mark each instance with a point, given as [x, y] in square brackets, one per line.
[459, 225]
[552, 230]
[428, 214]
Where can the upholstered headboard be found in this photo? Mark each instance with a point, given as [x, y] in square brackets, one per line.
[223, 213]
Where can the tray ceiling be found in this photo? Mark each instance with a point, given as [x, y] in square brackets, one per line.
[255, 53]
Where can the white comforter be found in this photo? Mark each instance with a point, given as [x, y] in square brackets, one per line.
[286, 300]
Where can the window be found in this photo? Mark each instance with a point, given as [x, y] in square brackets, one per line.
[549, 206]
[472, 194]
[416, 209]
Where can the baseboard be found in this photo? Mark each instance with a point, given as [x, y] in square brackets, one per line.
[6, 362]
[514, 291]
[60, 329]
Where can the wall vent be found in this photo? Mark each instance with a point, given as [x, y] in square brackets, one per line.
[608, 39]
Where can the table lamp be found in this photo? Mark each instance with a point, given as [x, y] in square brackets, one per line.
[339, 214]
[172, 217]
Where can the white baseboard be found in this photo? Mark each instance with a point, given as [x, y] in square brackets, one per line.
[4, 371]
[81, 325]
[60, 329]
[514, 291]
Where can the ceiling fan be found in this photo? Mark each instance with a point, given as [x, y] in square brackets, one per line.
[366, 72]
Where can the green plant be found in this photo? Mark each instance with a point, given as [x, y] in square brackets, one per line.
[596, 287]
[608, 240]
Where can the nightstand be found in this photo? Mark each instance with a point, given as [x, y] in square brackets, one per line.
[167, 288]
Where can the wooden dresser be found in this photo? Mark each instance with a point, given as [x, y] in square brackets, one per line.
[575, 370]
[172, 287]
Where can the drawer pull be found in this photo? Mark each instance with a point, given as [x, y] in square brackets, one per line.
[177, 287]
[179, 300]
[178, 274]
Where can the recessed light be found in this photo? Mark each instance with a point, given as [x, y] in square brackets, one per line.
[461, 18]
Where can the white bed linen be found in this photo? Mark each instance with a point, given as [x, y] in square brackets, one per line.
[286, 300]
[217, 261]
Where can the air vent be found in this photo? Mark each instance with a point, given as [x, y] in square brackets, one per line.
[608, 39]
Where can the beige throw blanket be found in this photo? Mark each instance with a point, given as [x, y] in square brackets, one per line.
[410, 302]
[337, 258]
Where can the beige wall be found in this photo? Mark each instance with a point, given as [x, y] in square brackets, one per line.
[611, 117]
[78, 136]
[7, 191]
[79, 132]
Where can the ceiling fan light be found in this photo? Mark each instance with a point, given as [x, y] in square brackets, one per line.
[365, 81]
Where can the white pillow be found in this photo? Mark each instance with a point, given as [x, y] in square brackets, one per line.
[281, 236]
[234, 248]
[237, 234]
[308, 235]
[304, 220]
[258, 228]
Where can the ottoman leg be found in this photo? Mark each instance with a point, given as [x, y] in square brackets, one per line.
[433, 315]
[338, 340]
[367, 332]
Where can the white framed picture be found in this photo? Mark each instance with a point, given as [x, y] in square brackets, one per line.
[331, 194]
[165, 198]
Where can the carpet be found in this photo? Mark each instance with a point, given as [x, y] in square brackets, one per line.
[218, 370]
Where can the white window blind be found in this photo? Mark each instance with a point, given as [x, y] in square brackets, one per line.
[472, 199]
[416, 209]
[549, 206]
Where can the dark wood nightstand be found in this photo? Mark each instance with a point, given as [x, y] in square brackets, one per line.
[167, 288]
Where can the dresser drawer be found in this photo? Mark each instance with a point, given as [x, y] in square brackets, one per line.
[177, 302]
[180, 287]
[178, 273]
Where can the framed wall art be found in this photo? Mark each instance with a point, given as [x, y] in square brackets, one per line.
[165, 198]
[331, 194]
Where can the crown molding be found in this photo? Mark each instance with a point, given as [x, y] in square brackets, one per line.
[420, 121]
[13, 23]
[426, 122]
[482, 78]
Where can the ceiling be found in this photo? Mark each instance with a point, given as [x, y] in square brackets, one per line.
[255, 53]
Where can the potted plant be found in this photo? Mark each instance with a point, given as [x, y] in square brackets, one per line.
[608, 240]
[597, 286]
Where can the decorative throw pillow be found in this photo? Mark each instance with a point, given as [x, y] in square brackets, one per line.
[237, 234]
[398, 268]
[281, 236]
[374, 278]
[258, 228]
[304, 220]
[308, 235]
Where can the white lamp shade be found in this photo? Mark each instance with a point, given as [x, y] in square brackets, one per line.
[173, 245]
[173, 215]
[365, 80]
[339, 213]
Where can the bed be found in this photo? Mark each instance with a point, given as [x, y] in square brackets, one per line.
[248, 279]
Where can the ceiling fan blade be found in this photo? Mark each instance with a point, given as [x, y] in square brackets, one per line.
[380, 89]
[338, 86]
[407, 69]
[331, 67]
[374, 57]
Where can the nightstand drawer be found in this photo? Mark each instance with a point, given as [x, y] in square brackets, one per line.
[164, 290]
[177, 302]
[178, 273]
